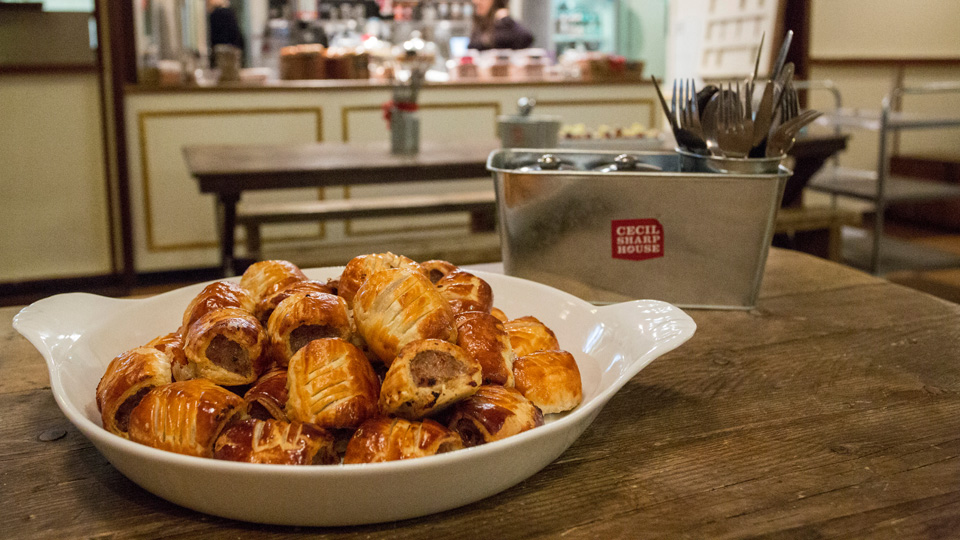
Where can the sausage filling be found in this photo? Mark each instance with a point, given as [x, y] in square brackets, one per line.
[228, 355]
[428, 367]
[309, 332]
[123, 412]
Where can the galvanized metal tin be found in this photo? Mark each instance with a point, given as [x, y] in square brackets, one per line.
[684, 234]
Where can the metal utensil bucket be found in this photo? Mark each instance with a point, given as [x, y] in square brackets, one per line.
[694, 239]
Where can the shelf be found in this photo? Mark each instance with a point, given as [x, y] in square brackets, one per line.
[898, 255]
[862, 184]
[854, 118]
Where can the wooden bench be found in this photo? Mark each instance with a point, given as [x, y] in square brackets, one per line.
[251, 217]
[816, 230]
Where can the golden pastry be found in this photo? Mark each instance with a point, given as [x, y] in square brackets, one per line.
[426, 377]
[331, 384]
[172, 345]
[128, 378]
[362, 267]
[499, 314]
[483, 337]
[263, 279]
[550, 379]
[303, 317]
[266, 306]
[391, 439]
[217, 296]
[276, 442]
[397, 306]
[465, 292]
[184, 417]
[492, 414]
[224, 346]
[529, 335]
[436, 269]
[267, 398]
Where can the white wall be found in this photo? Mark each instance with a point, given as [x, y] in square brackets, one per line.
[53, 212]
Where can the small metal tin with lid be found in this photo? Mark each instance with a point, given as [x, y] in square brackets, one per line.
[526, 130]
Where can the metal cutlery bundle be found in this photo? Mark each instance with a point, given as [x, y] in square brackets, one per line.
[725, 121]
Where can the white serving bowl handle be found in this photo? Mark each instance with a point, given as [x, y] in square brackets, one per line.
[650, 327]
[52, 323]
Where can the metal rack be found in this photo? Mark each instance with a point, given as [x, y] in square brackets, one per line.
[879, 186]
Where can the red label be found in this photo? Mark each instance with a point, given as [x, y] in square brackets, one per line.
[636, 239]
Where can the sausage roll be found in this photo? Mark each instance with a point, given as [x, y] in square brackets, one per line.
[266, 306]
[392, 439]
[493, 413]
[128, 378]
[436, 269]
[483, 337]
[332, 385]
[267, 398]
[172, 345]
[426, 377]
[262, 279]
[362, 267]
[398, 306]
[224, 346]
[465, 292]
[550, 379]
[277, 442]
[529, 335]
[216, 296]
[184, 417]
[302, 318]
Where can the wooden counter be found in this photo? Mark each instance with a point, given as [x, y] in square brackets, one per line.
[362, 84]
[831, 410]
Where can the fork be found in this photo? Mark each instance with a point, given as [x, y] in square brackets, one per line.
[734, 131]
[690, 114]
[685, 138]
[782, 139]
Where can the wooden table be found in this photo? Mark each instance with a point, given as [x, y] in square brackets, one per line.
[229, 170]
[831, 410]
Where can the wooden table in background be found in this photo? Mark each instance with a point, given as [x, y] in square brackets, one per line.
[830, 410]
[229, 170]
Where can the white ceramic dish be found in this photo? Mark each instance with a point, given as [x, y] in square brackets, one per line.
[78, 334]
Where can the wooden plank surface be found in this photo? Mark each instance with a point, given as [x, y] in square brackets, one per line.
[222, 168]
[831, 410]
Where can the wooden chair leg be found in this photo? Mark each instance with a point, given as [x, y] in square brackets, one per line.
[253, 240]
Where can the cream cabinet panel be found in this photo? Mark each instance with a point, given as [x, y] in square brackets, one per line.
[596, 112]
[54, 209]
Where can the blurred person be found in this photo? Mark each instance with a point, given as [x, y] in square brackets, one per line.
[494, 28]
[224, 27]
